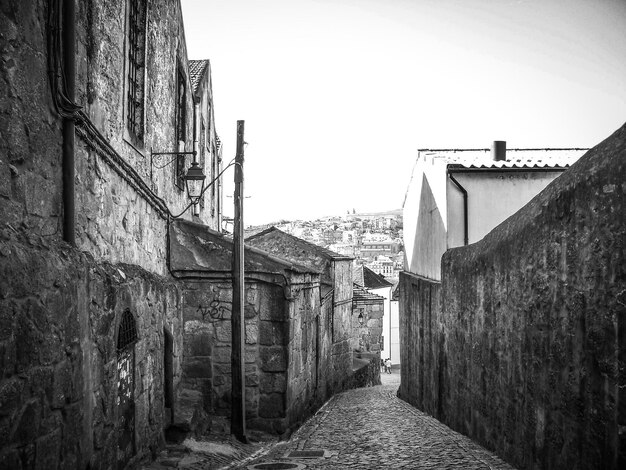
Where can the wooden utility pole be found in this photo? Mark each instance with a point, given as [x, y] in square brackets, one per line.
[238, 407]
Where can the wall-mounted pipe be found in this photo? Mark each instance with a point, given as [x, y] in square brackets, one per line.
[69, 68]
[465, 210]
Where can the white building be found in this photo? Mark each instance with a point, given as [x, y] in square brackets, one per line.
[455, 197]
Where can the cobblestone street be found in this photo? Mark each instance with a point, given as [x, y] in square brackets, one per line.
[370, 428]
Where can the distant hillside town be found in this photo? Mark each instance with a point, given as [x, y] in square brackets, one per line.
[373, 239]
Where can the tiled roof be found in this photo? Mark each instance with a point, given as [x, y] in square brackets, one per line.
[515, 158]
[320, 250]
[197, 250]
[196, 71]
[364, 276]
[361, 295]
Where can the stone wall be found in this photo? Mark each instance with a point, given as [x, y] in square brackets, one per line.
[367, 336]
[421, 343]
[30, 132]
[207, 308]
[366, 370]
[59, 317]
[530, 334]
[303, 355]
[341, 326]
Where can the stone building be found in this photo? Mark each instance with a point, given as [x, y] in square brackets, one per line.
[334, 321]
[283, 361]
[378, 318]
[91, 321]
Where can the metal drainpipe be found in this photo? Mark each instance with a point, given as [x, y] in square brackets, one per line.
[465, 215]
[69, 65]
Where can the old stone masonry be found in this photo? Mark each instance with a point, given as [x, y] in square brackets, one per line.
[370, 428]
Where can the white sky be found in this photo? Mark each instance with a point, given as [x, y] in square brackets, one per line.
[337, 95]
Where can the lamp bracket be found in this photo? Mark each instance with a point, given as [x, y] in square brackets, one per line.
[153, 163]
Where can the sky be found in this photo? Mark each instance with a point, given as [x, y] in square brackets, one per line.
[338, 95]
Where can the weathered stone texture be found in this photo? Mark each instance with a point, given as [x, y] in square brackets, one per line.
[207, 307]
[58, 355]
[113, 221]
[30, 133]
[421, 343]
[527, 352]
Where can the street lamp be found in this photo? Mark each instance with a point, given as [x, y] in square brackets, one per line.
[194, 180]
[360, 317]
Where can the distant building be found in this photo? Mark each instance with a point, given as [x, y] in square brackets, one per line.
[371, 249]
[375, 284]
[382, 265]
[455, 197]
[367, 320]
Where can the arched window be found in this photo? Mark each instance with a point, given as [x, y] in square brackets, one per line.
[126, 339]
[127, 333]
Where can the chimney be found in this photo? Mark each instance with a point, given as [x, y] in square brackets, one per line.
[498, 150]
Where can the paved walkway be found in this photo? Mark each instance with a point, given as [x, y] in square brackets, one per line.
[370, 428]
[366, 428]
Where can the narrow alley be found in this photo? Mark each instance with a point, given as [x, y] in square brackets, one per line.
[370, 428]
[364, 428]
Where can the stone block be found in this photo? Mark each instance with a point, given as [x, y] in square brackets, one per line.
[251, 354]
[273, 359]
[251, 294]
[197, 367]
[225, 295]
[221, 355]
[273, 383]
[250, 311]
[272, 333]
[47, 451]
[272, 305]
[252, 376]
[223, 332]
[252, 398]
[222, 370]
[10, 459]
[10, 396]
[198, 344]
[6, 317]
[252, 331]
[272, 405]
[27, 427]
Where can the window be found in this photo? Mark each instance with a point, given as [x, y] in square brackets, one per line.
[202, 156]
[135, 79]
[126, 339]
[127, 332]
[181, 127]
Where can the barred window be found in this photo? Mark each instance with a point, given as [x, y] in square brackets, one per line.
[181, 127]
[127, 332]
[202, 156]
[135, 81]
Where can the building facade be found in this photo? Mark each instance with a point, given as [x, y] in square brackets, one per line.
[91, 352]
[335, 318]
